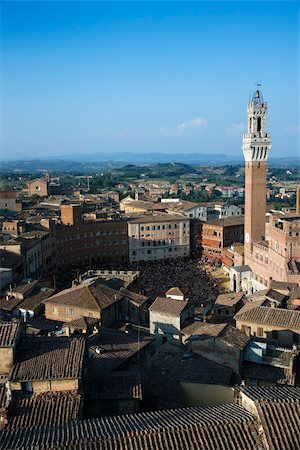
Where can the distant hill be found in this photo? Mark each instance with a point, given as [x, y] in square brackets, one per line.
[175, 164]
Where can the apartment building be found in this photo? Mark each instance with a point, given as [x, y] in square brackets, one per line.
[218, 234]
[89, 242]
[158, 236]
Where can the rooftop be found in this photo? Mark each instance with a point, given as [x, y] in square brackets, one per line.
[136, 298]
[46, 358]
[226, 222]
[268, 373]
[159, 218]
[172, 365]
[273, 316]
[116, 385]
[168, 306]
[230, 299]
[187, 428]
[8, 333]
[174, 291]
[111, 348]
[81, 323]
[92, 295]
[51, 408]
[272, 393]
[223, 331]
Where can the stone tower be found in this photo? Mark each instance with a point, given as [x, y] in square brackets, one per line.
[256, 146]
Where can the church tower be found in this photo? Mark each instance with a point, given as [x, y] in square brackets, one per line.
[256, 146]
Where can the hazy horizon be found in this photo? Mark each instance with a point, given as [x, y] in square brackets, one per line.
[146, 77]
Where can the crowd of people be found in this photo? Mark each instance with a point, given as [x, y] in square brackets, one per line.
[157, 277]
[189, 275]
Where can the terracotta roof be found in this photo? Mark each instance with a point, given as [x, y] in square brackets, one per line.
[91, 296]
[227, 222]
[34, 301]
[10, 304]
[111, 348]
[51, 408]
[159, 218]
[226, 426]
[230, 299]
[267, 373]
[174, 291]
[116, 385]
[168, 306]
[271, 316]
[82, 322]
[49, 359]
[274, 295]
[8, 333]
[3, 397]
[278, 409]
[234, 336]
[272, 393]
[134, 296]
[281, 423]
[283, 285]
[203, 328]
[173, 365]
[223, 331]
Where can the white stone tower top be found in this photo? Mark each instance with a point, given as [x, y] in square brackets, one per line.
[256, 142]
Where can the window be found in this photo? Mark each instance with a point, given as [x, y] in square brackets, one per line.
[71, 312]
[260, 332]
[274, 334]
[26, 388]
[296, 338]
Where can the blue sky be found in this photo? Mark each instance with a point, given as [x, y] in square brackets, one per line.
[88, 77]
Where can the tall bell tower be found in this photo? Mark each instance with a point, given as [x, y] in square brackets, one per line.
[256, 146]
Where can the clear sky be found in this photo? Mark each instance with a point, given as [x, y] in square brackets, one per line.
[88, 77]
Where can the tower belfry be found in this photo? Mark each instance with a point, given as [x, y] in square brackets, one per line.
[256, 146]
